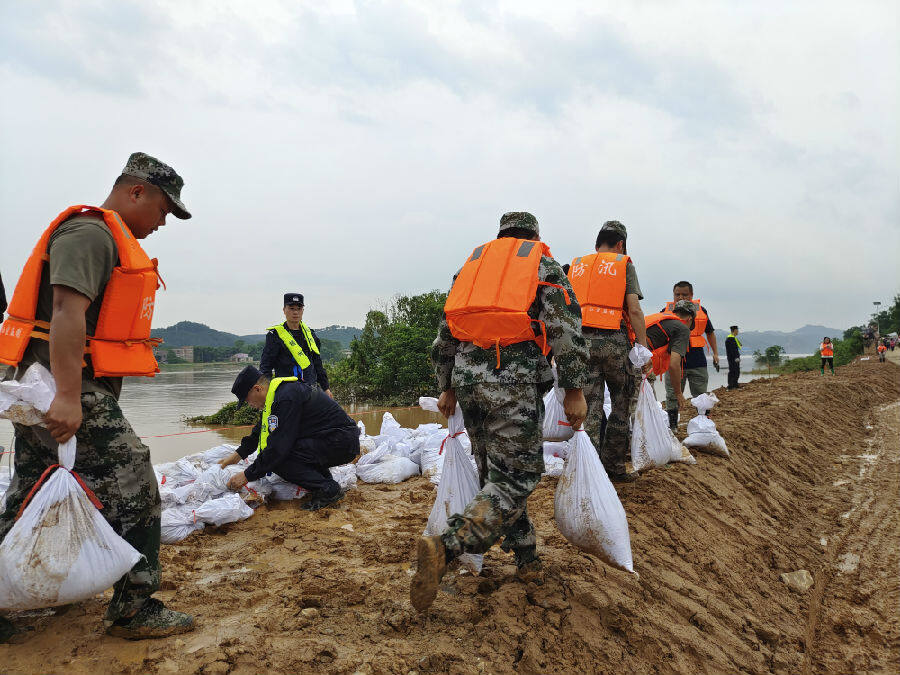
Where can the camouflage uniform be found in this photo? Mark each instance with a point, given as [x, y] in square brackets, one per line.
[116, 465]
[503, 412]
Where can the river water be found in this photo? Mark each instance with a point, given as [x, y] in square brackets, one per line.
[156, 408]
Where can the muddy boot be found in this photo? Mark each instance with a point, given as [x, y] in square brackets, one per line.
[432, 565]
[152, 620]
[623, 477]
[528, 565]
[7, 630]
[673, 419]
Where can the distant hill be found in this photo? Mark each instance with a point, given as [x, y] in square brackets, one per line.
[804, 340]
[189, 333]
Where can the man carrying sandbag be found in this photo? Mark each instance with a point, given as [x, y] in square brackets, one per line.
[509, 305]
[607, 288]
[668, 337]
[303, 432]
[89, 282]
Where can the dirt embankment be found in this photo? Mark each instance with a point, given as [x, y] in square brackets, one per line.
[812, 484]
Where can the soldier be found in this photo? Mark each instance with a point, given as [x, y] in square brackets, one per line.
[88, 261]
[292, 348]
[301, 435]
[508, 306]
[609, 294]
[695, 369]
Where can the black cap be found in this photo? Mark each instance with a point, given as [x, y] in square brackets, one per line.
[293, 299]
[244, 382]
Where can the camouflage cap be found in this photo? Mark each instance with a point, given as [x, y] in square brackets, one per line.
[615, 226]
[685, 306]
[163, 176]
[519, 219]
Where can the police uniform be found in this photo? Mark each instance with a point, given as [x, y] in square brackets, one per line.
[302, 433]
[733, 354]
[294, 353]
[500, 394]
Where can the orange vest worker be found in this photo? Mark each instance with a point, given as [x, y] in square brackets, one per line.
[489, 301]
[698, 334]
[827, 349]
[121, 344]
[598, 280]
[661, 355]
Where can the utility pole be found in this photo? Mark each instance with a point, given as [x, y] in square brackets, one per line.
[877, 304]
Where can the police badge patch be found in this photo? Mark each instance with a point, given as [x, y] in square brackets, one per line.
[272, 422]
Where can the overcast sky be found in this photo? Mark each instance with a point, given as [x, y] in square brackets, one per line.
[353, 151]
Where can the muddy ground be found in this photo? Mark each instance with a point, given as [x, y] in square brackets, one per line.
[813, 483]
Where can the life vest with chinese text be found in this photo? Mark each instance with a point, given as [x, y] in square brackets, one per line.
[598, 280]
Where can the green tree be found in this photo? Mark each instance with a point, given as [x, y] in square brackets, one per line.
[389, 362]
[889, 318]
[771, 358]
[331, 350]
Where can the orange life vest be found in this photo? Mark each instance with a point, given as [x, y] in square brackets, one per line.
[881, 348]
[598, 280]
[121, 344]
[698, 334]
[827, 349]
[661, 355]
[488, 304]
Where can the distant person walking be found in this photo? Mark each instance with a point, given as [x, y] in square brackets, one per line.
[827, 351]
[733, 354]
[882, 348]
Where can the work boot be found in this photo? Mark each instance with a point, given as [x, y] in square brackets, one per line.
[528, 564]
[432, 566]
[7, 630]
[320, 501]
[673, 419]
[153, 620]
[623, 477]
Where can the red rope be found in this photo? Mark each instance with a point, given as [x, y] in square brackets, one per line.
[441, 451]
[90, 493]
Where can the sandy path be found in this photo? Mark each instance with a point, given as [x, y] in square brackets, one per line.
[290, 591]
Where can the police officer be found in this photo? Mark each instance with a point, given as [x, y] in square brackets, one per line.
[695, 369]
[292, 348]
[608, 292]
[86, 252]
[733, 354]
[490, 356]
[301, 434]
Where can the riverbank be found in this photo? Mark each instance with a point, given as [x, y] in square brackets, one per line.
[812, 484]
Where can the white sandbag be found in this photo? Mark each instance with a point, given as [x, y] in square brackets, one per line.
[431, 461]
[228, 509]
[375, 456]
[344, 475]
[679, 452]
[556, 424]
[651, 443]
[178, 473]
[280, 489]
[366, 444]
[177, 523]
[27, 400]
[704, 437]
[704, 402]
[553, 466]
[61, 550]
[639, 355]
[587, 509]
[429, 403]
[458, 485]
[361, 427]
[390, 469]
[220, 452]
[557, 448]
[607, 402]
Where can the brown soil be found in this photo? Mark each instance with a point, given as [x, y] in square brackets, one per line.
[813, 482]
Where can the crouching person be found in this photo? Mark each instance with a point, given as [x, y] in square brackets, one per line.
[302, 433]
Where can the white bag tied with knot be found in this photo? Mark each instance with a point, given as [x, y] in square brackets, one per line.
[587, 509]
[459, 485]
[702, 433]
[556, 424]
[652, 442]
[60, 549]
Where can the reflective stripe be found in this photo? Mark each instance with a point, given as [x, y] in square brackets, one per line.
[267, 411]
[293, 347]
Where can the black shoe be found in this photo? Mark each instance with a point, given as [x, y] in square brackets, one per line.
[673, 419]
[153, 620]
[623, 477]
[321, 501]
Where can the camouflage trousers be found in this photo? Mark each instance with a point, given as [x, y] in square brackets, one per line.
[698, 378]
[608, 364]
[116, 466]
[504, 425]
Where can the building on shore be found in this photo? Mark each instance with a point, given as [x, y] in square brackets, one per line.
[240, 358]
[185, 354]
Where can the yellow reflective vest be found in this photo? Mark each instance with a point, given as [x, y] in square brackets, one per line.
[264, 429]
[295, 349]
